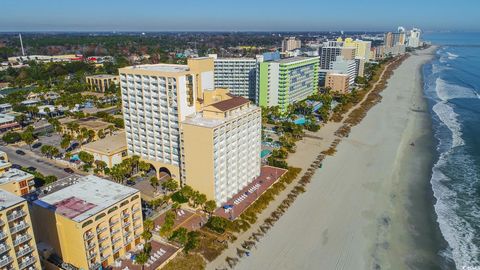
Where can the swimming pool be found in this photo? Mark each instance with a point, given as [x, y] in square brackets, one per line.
[299, 121]
[265, 153]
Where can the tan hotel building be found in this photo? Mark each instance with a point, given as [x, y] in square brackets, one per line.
[174, 119]
[17, 242]
[337, 82]
[101, 82]
[90, 223]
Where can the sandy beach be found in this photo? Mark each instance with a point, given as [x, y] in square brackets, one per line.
[369, 207]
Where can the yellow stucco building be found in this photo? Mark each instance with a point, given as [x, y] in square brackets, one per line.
[12, 180]
[17, 242]
[89, 223]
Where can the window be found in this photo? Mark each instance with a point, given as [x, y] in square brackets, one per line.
[100, 216]
[87, 223]
[112, 209]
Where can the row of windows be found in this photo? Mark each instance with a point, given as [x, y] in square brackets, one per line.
[101, 215]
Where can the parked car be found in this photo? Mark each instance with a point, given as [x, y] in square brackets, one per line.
[68, 170]
[32, 169]
[37, 145]
[20, 152]
[16, 166]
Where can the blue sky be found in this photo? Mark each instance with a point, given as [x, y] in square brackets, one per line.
[232, 15]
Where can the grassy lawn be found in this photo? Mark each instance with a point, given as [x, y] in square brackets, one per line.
[186, 262]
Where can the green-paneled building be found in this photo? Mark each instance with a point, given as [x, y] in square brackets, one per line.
[287, 81]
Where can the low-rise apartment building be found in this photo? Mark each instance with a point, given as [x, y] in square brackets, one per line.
[111, 149]
[89, 223]
[101, 82]
[337, 82]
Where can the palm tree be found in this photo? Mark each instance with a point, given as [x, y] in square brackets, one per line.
[142, 258]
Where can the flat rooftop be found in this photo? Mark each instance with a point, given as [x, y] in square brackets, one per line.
[293, 59]
[85, 197]
[199, 120]
[8, 200]
[102, 76]
[108, 145]
[161, 68]
[14, 175]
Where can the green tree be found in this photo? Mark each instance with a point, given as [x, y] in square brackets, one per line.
[170, 185]
[65, 142]
[210, 206]
[142, 258]
[28, 138]
[50, 179]
[192, 242]
[86, 157]
[154, 182]
[180, 236]
[199, 199]
[11, 137]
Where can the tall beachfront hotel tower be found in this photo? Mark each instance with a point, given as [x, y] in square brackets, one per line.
[177, 121]
[286, 81]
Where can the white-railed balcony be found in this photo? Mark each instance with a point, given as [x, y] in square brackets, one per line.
[16, 215]
[4, 248]
[24, 251]
[100, 230]
[90, 245]
[104, 248]
[5, 261]
[126, 224]
[21, 239]
[26, 263]
[116, 240]
[3, 235]
[88, 236]
[19, 227]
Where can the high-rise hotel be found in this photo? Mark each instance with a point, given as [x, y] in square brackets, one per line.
[177, 121]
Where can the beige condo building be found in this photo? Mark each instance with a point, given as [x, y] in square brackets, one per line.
[17, 242]
[88, 223]
[164, 109]
[337, 82]
[101, 82]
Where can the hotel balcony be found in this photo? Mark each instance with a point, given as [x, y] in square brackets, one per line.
[101, 240]
[100, 230]
[2, 235]
[114, 222]
[88, 236]
[116, 240]
[115, 231]
[92, 255]
[126, 224]
[16, 215]
[26, 263]
[19, 227]
[24, 251]
[104, 248]
[4, 248]
[90, 245]
[5, 261]
[21, 239]
[115, 250]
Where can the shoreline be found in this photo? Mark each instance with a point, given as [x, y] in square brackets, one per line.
[336, 243]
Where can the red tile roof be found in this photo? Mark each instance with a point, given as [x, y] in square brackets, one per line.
[229, 104]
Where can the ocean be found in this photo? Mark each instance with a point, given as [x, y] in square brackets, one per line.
[452, 88]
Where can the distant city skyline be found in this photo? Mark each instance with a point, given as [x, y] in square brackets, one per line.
[248, 15]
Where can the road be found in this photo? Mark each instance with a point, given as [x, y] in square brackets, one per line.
[31, 160]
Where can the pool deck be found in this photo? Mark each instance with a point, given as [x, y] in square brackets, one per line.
[268, 176]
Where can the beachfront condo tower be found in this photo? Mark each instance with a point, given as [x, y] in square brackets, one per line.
[89, 222]
[17, 242]
[286, 81]
[176, 120]
[221, 149]
[236, 74]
